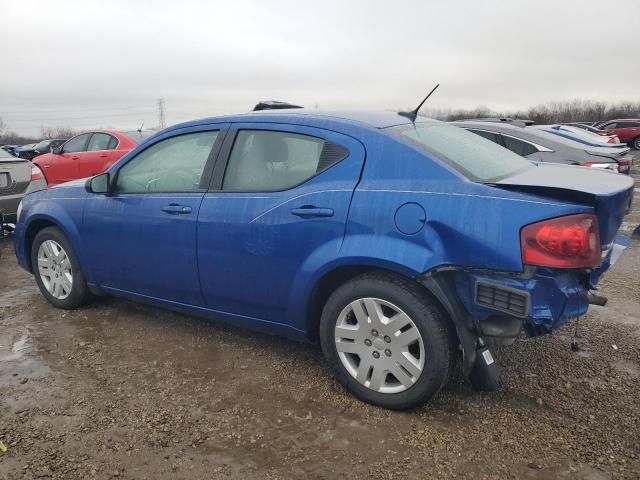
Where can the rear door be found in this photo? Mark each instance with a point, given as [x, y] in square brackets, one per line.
[99, 156]
[277, 207]
[65, 167]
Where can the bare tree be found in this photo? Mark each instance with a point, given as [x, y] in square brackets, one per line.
[576, 110]
[56, 132]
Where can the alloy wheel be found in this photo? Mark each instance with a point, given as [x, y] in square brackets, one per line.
[379, 345]
[54, 267]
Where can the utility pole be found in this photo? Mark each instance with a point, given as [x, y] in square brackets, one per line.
[162, 124]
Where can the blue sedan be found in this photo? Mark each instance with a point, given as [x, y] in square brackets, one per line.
[401, 244]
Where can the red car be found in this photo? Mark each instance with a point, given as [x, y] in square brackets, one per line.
[87, 154]
[628, 129]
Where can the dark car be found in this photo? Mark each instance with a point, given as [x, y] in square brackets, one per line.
[11, 149]
[399, 242]
[538, 145]
[627, 129]
[17, 178]
[45, 146]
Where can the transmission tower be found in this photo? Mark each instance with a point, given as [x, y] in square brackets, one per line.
[161, 117]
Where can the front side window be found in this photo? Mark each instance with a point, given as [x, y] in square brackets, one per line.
[475, 157]
[172, 165]
[99, 141]
[77, 144]
[268, 161]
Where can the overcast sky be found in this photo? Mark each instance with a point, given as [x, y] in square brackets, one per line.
[105, 63]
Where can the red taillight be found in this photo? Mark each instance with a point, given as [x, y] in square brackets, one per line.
[611, 140]
[563, 242]
[36, 173]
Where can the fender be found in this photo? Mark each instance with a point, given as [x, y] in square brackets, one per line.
[61, 217]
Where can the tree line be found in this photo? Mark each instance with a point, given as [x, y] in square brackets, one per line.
[10, 137]
[577, 110]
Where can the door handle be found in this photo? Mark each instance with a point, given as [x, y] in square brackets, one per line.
[75, 157]
[46, 166]
[309, 211]
[104, 155]
[174, 209]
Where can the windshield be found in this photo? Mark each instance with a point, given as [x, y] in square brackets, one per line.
[42, 146]
[475, 157]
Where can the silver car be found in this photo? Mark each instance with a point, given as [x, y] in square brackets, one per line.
[538, 145]
[17, 178]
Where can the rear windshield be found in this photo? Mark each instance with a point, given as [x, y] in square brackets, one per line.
[139, 136]
[477, 158]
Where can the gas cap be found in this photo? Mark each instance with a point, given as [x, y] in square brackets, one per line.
[410, 218]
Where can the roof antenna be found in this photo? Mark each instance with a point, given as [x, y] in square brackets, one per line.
[414, 113]
[140, 129]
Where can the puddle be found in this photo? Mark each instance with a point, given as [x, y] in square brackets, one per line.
[17, 354]
[17, 348]
[16, 296]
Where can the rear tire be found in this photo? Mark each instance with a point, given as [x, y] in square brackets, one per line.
[365, 330]
[635, 143]
[57, 270]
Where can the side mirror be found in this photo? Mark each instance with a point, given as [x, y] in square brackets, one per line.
[99, 184]
[57, 150]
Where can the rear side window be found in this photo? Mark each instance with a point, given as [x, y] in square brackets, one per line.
[628, 124]
[267, 161]
[77, 144]
[518, 146]
[473, 156]
[99, 141]
[609, 126]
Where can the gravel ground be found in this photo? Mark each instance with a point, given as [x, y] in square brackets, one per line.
[120, 390]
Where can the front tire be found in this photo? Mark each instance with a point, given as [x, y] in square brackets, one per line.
[635, 143]
[57, 270]
[387, 340]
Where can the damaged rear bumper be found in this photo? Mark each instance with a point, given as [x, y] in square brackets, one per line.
[538, 300]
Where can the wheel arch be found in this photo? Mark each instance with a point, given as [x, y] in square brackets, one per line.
[339, 275]
[36, 225]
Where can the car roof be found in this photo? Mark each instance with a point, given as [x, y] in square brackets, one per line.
[623, 120]
[379, 119]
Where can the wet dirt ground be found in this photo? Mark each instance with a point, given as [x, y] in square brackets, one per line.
[121, 390]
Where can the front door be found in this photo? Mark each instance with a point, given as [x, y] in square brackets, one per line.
[279, 208]
[142, 239]
[64, 167]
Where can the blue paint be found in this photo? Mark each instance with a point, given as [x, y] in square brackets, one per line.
[254, 260]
